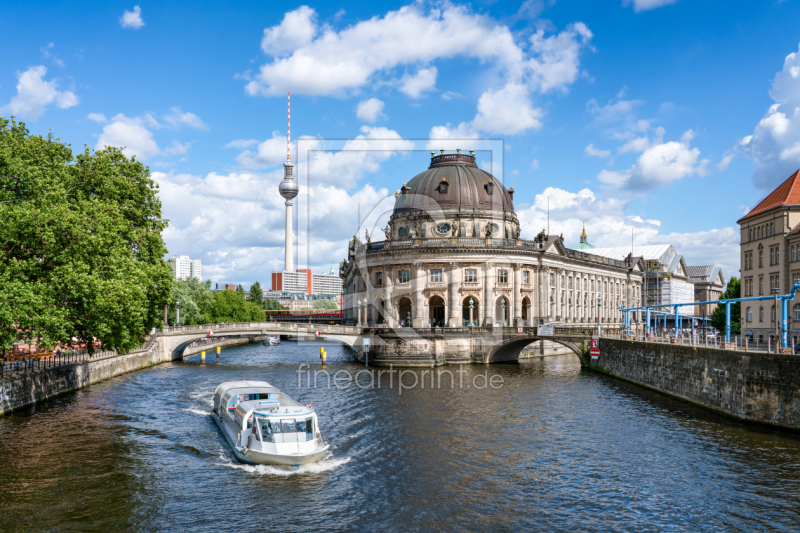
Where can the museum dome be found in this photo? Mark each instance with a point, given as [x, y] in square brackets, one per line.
[454, 181]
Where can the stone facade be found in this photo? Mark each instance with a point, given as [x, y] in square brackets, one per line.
[756, 387]
[453, 241]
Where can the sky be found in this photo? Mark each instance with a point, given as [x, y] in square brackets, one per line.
[657, 121]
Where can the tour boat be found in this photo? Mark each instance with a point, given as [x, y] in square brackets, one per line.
[264, 426]
[272, 340]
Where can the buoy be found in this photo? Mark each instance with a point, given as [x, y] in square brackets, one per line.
[202, 357]
[218, 350]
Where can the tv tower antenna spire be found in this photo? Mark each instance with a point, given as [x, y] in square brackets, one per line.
[288, 189]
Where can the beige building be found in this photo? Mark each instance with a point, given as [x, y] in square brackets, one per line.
[770, 260]
[453, 256]
[709, 284]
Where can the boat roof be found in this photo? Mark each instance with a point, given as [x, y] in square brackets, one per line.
[285, 406]
[228, 385]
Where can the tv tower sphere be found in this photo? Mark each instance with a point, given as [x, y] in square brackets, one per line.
[288, 187]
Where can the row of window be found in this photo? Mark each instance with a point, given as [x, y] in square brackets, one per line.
[774, 257]
[765, 230]
[774, 283]
[761, 313]
[470, 276]
[587, 284]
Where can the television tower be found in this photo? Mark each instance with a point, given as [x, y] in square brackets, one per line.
[288, 188]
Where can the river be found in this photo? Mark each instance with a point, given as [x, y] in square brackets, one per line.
[550, 448]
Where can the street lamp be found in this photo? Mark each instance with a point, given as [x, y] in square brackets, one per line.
[359, 324]
[624, 315]
[178, 313]
[599, 303]
[503, 312]
[366, 322]
[471, 307]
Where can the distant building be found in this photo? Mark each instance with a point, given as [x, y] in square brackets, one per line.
[304, 282]
[225, 287]
[709, 284]
[185, 268]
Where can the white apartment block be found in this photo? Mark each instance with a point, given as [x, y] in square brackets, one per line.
[185, 268]
[326, 284]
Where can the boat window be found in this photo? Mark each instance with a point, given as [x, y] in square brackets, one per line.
[288, 426]
[268, 430]
[304, 427]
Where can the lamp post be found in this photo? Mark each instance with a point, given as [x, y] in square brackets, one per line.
[359, 324]
[599, 303]
[624, 316]
[178, 313]
[471, 307]
[366, 322]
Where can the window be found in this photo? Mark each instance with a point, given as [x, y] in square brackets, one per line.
[797, 313]
[750, 313]
[777, 255]
[773, 313]
[502, 276]
[552, 279]
[761, 286]
[404, 276]
[436, 275]
[585, 282]
[760, 259]
[569, 280]
[562, 281]
[379, 279]
[605, 286]
[792, 257]
[526, 277]
[761, 314]
[471, 275]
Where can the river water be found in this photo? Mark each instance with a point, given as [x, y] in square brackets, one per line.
[551, 448]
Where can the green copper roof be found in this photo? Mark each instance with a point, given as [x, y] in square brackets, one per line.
[584, 244]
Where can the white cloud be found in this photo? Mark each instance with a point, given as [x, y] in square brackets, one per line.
[97, 117]
[448, 138]
[424, 80]
[236, 226]
[129, 134]
[607, 225]
[646, 5]
[535, 165]
[775, 142]
[177, 118]
[296, 30]
[725, 161]
[369, 110]
[268, 153]
[317, 60]
[132, 19]
[508, 111]
[591, 150]
[177, 148]
[34, 94]
[241, 144]
[45, 50]
[659, 165]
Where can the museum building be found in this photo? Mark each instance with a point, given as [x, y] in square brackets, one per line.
[453, 256]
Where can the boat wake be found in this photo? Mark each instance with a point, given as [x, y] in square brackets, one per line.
[325, 465]
[202, 412]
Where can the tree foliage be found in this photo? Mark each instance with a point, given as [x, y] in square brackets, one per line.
[81, 252]
[718, 316]
[240, 289]
[255, 293]
[201, 305]
[231, 306]
[273, 305]
[325, 304]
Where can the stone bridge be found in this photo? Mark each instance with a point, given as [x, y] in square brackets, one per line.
[174, 340]
[399, 347]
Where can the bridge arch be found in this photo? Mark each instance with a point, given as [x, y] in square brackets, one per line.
[508, 352]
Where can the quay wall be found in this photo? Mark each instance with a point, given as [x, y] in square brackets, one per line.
[755, 387]
[23, 388]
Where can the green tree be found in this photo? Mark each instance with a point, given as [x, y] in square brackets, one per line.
[231, 306]
[197, 301]
[273, 305]
[325, 304]
[240, 289]
[81, 252]
[255, 293]
[718, 316]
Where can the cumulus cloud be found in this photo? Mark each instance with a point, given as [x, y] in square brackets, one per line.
[268, 153]
[660, 163]
[591, 150]
[34, 94]
[97, 117]
[131, 135]
[132, 19]
[318, 60]
[775, 141]
[646, 5]
[244, 211]
[450, 138]
[177, 148]
[424, 80]
[369, 110]
[177, 117]
[608, 225]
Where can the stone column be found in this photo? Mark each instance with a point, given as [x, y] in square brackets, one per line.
[516, 295]
[454, 280]
[388, 280]
[417, 318]
[488, 295]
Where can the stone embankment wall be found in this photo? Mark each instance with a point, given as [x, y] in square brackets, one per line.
[756, 387]
[23, 388]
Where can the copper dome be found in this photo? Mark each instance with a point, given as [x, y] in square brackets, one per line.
[454, 181]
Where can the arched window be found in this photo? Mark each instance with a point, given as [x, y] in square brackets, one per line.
[761, 314]
[750, 313]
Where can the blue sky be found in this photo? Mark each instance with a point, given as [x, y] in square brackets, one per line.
[665, 118]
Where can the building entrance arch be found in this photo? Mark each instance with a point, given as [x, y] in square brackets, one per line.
[476, 318]
[404, 311]
[380, 312]
[436, 311]
[502, 310]
[526, 311]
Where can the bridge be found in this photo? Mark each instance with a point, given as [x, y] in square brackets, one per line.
[424, 347]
